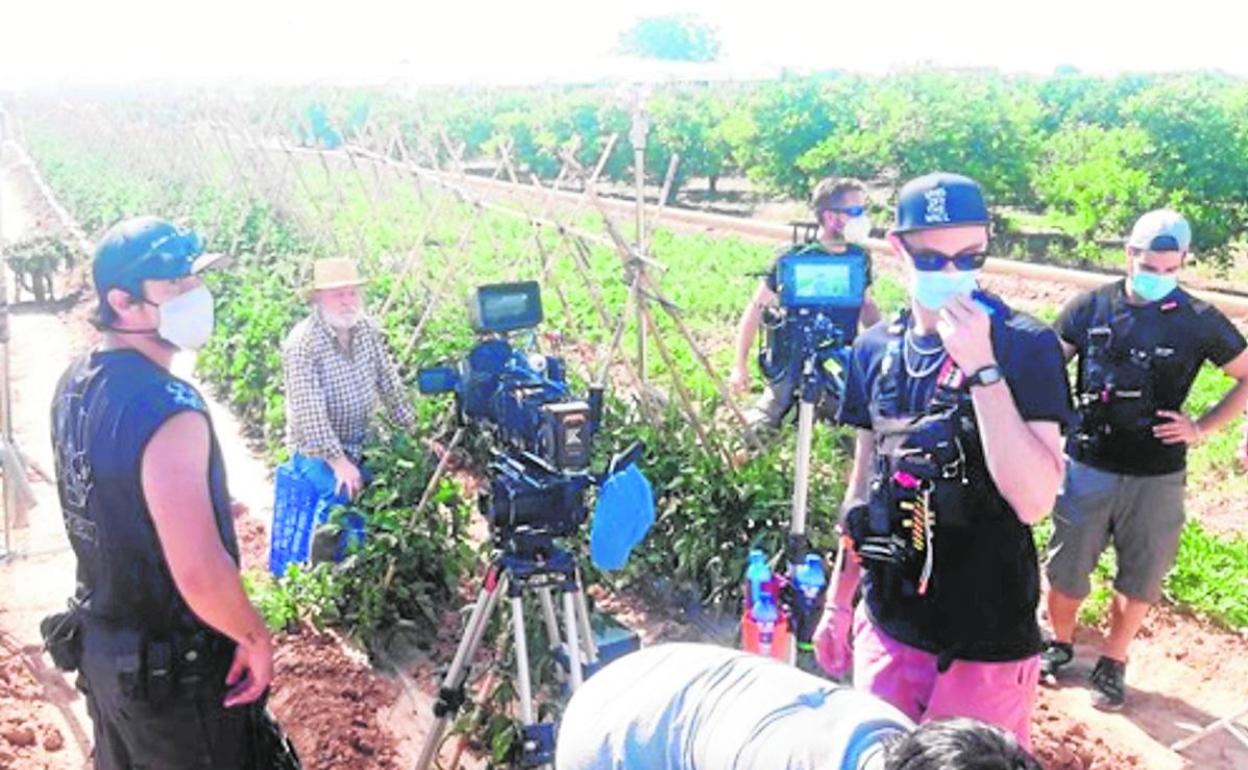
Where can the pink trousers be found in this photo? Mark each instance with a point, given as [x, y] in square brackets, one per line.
[1001, 694]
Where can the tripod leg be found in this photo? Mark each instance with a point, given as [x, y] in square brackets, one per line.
[525, 694]
[801, 486]
[537, 739]
[451, 693]
[801, 477]
[582, 616]
[548, 614]
[574, 645]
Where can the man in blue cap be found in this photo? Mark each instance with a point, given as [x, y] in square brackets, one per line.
[170, 652]
[959, 402]
[1141, 341]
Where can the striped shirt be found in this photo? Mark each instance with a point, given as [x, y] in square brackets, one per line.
[332, 393]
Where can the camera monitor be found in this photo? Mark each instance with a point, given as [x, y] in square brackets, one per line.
[505, 307]
[822, 280]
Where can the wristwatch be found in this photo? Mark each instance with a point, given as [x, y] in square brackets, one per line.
[987, 375]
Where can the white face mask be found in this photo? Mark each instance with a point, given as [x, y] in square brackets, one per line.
[857, 229]
[186, 320]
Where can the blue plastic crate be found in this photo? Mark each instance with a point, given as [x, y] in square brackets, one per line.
[295, 504]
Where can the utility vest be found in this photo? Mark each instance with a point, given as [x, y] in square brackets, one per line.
[1116, 377]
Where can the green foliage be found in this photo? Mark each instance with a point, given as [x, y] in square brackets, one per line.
[781, 122]
[1210, 576]
[678, 37]
[34, 261]
[1072, 98]
[689, 124]
[255, 309]
[1199, 127]
[1097, 179]
[411, 562]
[978, 125]
[709, 513]
[408, 567]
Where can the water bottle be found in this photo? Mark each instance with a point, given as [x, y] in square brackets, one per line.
[809, 581]
[757, 576]
[810, 578]
[765, 617]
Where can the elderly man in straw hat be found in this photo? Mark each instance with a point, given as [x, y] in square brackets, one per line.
[336, 368]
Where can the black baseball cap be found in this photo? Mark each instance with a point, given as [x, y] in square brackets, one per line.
[940, 200]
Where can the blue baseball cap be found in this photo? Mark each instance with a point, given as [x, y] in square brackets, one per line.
[145, 248]
[940, 200]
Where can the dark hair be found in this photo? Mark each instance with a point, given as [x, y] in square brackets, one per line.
[831, 190]
[958, 744]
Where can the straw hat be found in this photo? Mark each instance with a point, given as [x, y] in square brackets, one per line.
[333, 273]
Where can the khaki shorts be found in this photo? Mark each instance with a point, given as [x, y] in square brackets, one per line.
[1142, 515]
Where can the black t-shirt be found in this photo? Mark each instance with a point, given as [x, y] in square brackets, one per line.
[1027, 352]
[1175, 335]
[987, 610]
[811, 247]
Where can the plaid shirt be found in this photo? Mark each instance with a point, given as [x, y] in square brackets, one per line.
[331, 393]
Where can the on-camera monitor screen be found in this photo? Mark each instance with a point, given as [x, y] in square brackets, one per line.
[812, 280]
[505, 308]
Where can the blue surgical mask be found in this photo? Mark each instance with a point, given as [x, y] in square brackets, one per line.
[933, 289]
[1152, 286]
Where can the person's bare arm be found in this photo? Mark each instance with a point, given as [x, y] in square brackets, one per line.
[175, 485]
[1024, 457]
[870, 314]
[1179, 428]
[747, 330]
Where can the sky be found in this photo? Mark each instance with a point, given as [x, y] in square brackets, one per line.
[86, 42]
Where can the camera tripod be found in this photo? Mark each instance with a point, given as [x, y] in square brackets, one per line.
[514, 572]
[814, 383]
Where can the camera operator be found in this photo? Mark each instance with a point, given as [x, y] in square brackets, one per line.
[840, 209]
[335, 368]
[1141, 342]
[173, 658]
[678, 706]
[960, 403]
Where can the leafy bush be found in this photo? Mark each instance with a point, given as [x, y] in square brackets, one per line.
[1097, 180]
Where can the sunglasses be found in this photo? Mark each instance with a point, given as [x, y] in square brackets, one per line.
[932, 261]
[853, 211]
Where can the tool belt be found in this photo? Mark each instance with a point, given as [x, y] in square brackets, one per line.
[159, 667]
[62, 637]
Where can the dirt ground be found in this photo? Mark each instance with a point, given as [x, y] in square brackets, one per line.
[343, 714]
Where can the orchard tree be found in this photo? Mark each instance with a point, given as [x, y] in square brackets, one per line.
[672, 38]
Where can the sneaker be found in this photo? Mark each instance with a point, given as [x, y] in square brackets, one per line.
[1108, 681]
[1054, 657]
